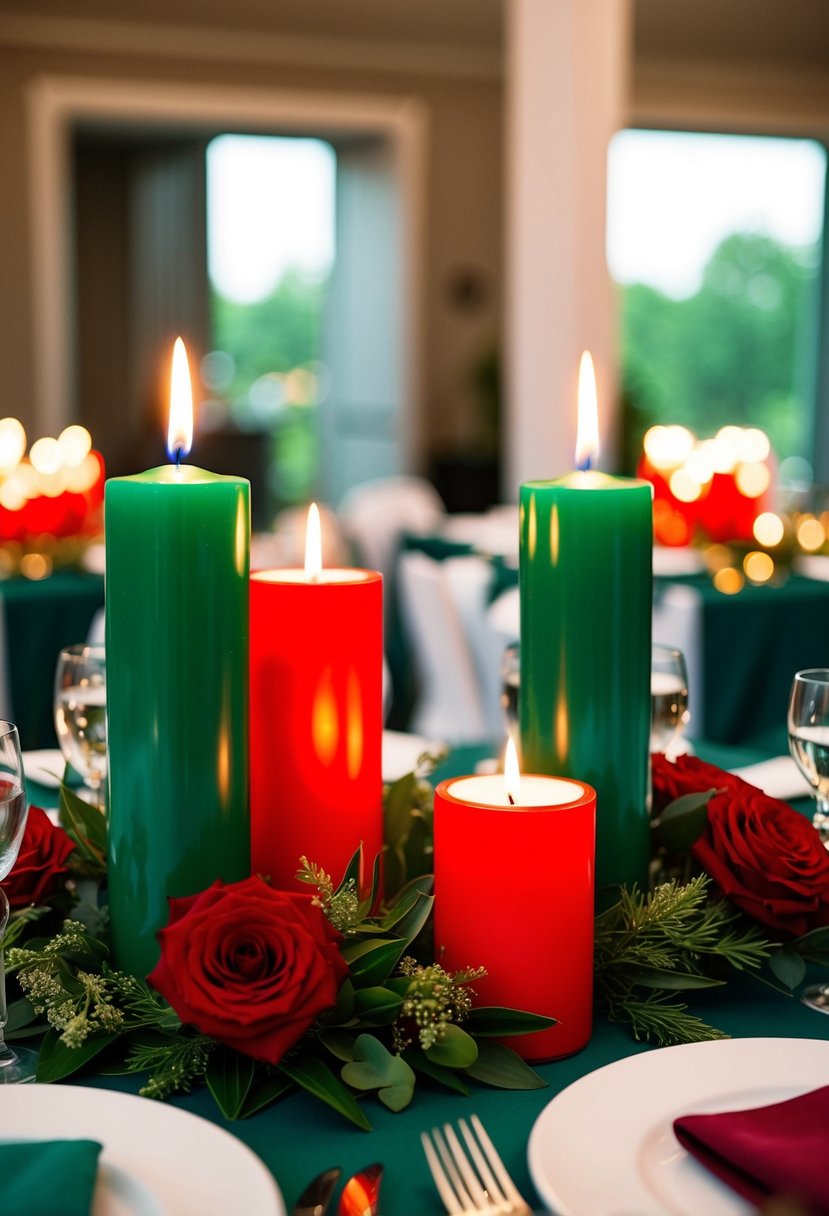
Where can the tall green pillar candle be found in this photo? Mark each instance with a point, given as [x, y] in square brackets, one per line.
[177, 569]
[586, 584]
[584, 709]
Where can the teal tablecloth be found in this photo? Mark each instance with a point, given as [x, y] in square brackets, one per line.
[299, 1137]
[41, 618]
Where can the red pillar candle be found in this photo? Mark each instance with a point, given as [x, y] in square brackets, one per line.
[514, 894]
[316, 650]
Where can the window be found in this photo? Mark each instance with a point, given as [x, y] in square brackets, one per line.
[715, 241]
[270, 231]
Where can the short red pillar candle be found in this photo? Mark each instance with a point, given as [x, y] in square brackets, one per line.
[316, 725]
[514, 894]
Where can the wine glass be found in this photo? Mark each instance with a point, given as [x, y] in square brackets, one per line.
[80, 714]
[16, 1067]
[808, 723]
[669, 697]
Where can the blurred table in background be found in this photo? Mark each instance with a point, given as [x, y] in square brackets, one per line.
[742, 649]
[39, 618]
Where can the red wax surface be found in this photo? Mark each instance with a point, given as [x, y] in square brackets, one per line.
[514, 894]
[316, 655]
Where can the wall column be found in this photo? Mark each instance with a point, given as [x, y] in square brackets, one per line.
[566, 92]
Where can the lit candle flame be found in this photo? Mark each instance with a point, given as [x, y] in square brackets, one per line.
[512, 776]
[180, 428]
[313, 544]
[587, 435]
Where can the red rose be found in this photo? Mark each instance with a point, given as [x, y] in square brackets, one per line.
[686, 775]
[763, 855]
[250, 966]
[767, 859]
[40, 864]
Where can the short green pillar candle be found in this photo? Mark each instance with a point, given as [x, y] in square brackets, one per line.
[584, 709]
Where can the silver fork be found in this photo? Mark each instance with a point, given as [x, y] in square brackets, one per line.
[477, 1187]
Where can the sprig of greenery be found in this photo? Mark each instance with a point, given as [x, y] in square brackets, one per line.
[650, 946]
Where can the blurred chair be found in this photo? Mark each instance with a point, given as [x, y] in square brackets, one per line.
[97, 629]
[375, 514]
[449, 704]
[469, 582]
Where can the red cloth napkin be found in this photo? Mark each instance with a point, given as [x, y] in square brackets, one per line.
[771, 1150]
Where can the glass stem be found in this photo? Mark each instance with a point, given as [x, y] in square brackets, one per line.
[820, 818]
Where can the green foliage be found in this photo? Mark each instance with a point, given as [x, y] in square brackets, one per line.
[671, 940]
[96, 1013]
[733, 352]
[271, 335]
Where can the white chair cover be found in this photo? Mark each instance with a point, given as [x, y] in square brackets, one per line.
[375, 514]
[449, 704]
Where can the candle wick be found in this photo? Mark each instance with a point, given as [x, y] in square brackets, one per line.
[511, 799]
[179, 454]
[584, 466]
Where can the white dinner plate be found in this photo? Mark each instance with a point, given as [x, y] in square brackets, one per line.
[605, 1145]
[156, 1160]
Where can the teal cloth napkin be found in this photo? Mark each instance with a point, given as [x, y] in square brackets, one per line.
[43, 1177]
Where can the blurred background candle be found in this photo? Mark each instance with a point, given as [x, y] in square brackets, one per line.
[177, 556]
[514, 893]
[316, 715]
[585, 579]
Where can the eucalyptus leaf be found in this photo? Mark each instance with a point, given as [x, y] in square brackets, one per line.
[788, 967]
[456, 1048]
[229, 1076]
[496, 1022]
[500, 1066]
[314, 1076]
[374, 1067]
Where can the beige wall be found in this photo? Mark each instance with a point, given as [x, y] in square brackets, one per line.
[462, 203]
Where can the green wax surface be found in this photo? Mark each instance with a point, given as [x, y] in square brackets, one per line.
[177, 546]
[584, 708]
